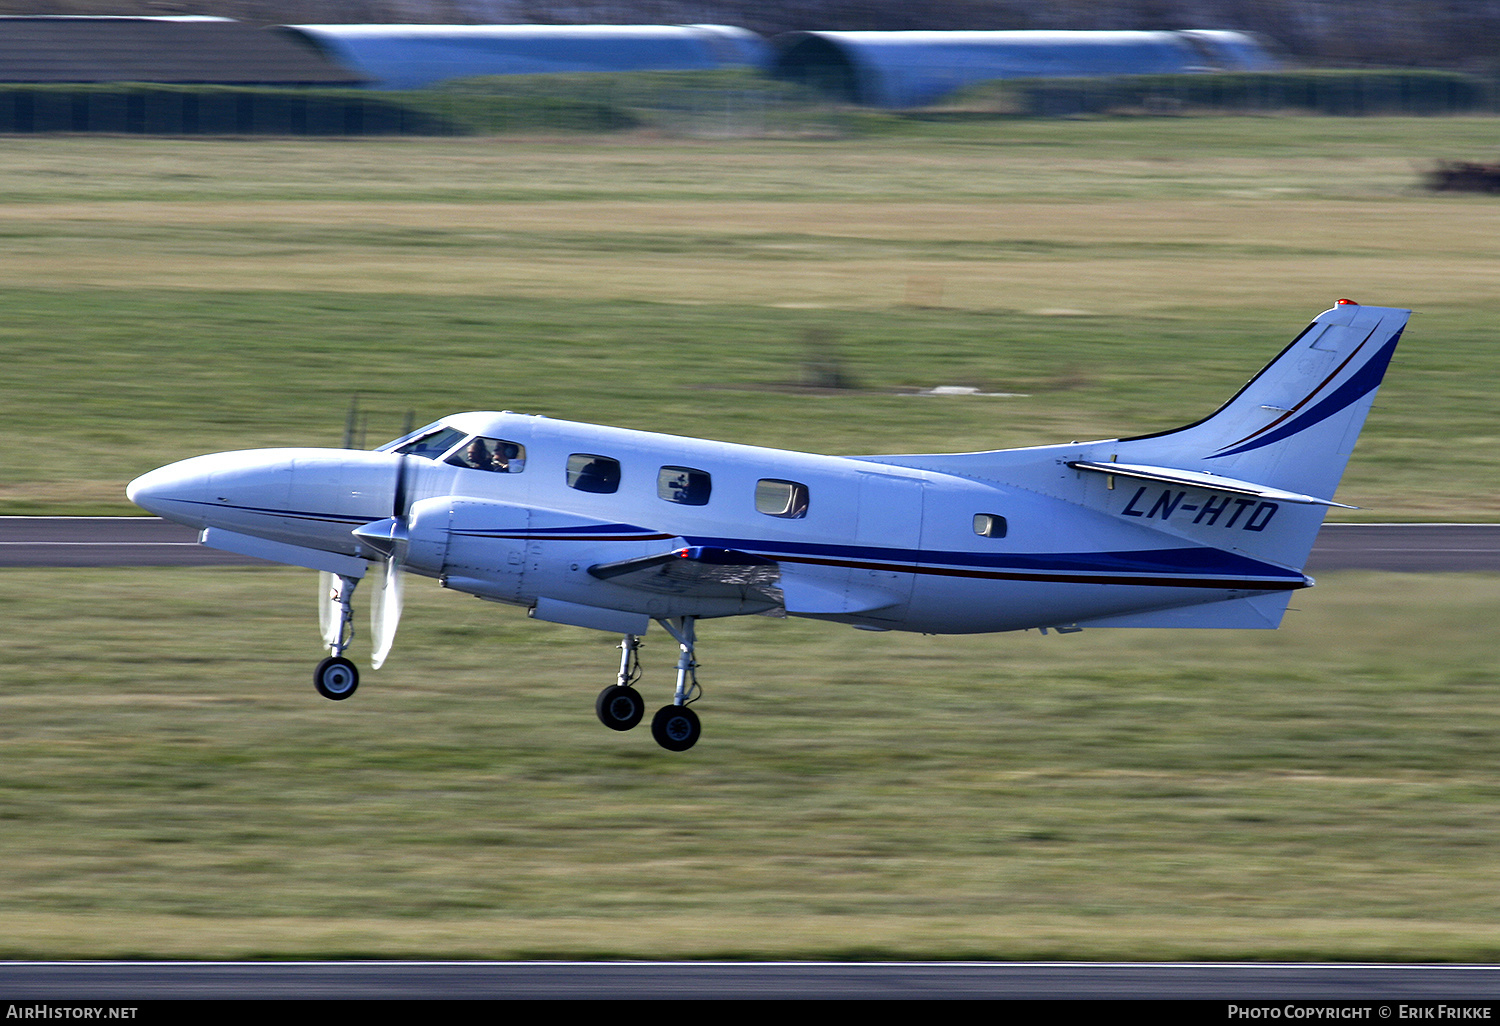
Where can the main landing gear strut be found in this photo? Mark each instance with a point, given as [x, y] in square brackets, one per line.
[620, 707]
[336, 678]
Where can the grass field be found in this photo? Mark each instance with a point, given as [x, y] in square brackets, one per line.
[175, 788]
[161, 298]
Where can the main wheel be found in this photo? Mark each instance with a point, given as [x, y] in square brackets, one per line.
[336, 678]
[620, 707]
[676, 728]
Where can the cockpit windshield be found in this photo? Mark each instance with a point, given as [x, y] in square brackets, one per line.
[433, 444]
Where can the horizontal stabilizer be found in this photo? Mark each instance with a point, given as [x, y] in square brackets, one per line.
[1207, 482]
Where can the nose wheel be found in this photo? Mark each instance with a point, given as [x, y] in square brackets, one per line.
[620, 707]
[336, 678]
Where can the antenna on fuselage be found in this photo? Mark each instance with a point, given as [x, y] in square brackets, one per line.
[349, 422]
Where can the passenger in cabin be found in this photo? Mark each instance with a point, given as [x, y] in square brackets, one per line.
[600, 475]
[693, 489]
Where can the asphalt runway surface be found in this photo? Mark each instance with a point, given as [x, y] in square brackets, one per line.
[151, 541]
[1381, 986]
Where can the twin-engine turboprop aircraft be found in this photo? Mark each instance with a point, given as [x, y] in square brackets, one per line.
[1206, 525]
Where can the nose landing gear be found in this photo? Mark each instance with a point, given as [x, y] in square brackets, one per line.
[336, 678]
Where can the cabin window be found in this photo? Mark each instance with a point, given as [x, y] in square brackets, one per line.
[433, 444]
[989, 525]
[590, 473]
[683, 484]
[493, 454]
[781, 498]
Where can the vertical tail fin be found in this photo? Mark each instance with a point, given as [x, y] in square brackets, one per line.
[1294, 425]
[1291, 428]
[1255, 477]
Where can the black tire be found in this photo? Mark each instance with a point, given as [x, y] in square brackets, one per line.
[676, 728]
[336, 678]
[620, 707]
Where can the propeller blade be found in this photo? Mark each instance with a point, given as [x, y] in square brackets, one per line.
[329, 619]
[388, 536]
[385, 614]
[398, 500]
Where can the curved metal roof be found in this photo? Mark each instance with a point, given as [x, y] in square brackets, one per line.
[909, 69]
[185, 49]
[411, 56]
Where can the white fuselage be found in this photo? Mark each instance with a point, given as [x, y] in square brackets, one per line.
[872, 544]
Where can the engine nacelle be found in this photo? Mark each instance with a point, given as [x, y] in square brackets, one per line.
[471, 539]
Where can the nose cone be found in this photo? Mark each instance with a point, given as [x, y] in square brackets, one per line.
[174, 491]
[144, 490]
[307, 497]
[218, 490]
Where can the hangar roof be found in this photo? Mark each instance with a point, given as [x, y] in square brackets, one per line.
[909, 69]
[411, 56]
[217, 50]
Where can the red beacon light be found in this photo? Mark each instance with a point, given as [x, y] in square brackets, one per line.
[1346, 302]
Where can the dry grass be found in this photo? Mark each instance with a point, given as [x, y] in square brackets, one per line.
[1139, 257]
[148, 283]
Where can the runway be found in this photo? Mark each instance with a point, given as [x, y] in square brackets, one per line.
[151, 541]
[1376, 986]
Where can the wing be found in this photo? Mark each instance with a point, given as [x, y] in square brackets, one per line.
[698, 572]
[705, 572]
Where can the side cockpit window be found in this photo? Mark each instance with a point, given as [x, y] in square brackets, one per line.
[495, 455]
[777, 498]
[590, 473]
[684, 484]
[433, 444]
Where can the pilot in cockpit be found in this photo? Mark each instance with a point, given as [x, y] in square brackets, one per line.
[507, 458]
[490, 454]
[478, 456]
